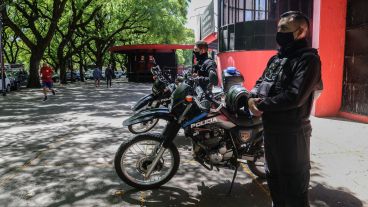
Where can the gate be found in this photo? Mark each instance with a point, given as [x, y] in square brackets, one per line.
[355, 82]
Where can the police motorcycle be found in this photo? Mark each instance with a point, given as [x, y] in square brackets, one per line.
[160, 96]
[223, 135]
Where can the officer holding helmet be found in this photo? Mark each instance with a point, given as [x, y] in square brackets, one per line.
[283, 96]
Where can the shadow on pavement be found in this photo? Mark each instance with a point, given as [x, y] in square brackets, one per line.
[215, 195]
[164, 196]
[60, 152]
[323, 196]
[248, 194]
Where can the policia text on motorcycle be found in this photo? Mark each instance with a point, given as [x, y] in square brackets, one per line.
[283, 95]
[205, 68]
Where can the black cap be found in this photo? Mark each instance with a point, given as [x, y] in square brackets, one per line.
[201, 44]
[297, 15]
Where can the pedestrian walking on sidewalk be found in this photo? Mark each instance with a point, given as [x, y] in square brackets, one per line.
[284, 95]
[46, 73]
[109, 74]
[97, 75]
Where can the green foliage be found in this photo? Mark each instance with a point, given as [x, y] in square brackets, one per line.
[14, 48]
[185, 56]
[102, 24]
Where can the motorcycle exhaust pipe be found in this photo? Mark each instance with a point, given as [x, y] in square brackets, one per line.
[245, 158]
[250, 158]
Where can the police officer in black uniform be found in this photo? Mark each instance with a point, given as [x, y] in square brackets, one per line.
[205, 68]
[284, 95]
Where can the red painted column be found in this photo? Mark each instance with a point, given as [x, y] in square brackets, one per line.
[329, 25]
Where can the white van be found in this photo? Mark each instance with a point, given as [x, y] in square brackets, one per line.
[7, 84]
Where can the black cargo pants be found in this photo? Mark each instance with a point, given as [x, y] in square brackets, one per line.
[287, 166]
[108, 81]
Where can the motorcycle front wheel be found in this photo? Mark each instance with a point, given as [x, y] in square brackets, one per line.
[134, 157]
[143, 127]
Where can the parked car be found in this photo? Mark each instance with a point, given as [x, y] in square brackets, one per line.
[19, 74]
[23, 76]
[56, 77]
[73, 76]
[7, 83]
[88, 75]
[14, 78]
[119, 74]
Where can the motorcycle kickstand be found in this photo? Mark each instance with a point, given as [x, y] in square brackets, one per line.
[234, 176]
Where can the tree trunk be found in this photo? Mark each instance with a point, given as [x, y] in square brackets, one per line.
[99, 60]
[81, 71]
[99, 54]
[34, 78]
[71, 69]
[62, 66]
[113, 61]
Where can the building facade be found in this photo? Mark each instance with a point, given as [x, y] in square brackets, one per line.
[245, 39]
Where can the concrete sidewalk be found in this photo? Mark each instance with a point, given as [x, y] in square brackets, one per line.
[339, 154]
[60, 152]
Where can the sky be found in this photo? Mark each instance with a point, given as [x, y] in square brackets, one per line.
[195, 7]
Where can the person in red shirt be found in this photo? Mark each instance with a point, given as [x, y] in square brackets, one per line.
[46, 77]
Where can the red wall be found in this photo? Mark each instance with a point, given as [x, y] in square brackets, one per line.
[329, 37]
[329, 25]
[250, 63]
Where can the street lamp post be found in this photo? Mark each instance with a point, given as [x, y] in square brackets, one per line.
[1, 56]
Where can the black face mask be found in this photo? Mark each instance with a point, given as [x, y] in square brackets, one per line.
[200, 56]
[196, 55]
[284, 38]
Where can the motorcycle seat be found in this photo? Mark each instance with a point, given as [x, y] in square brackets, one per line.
[242, 119]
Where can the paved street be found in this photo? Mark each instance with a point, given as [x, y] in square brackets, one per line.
[60, 152]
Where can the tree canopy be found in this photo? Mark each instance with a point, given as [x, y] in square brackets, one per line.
[65, 33]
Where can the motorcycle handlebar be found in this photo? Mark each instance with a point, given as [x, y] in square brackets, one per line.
[156, 71]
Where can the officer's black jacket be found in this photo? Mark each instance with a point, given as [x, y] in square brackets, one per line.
[206, 70]
[289, 101]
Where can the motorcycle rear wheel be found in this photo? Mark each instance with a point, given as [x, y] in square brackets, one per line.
[143, 127]
[132, 168]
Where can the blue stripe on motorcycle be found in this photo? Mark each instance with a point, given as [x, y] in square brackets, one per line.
[195, 119]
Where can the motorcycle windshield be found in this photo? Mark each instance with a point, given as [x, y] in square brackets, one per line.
[180, 93]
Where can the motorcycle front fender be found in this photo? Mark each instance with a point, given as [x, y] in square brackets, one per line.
[144, 101]
[149, 114]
